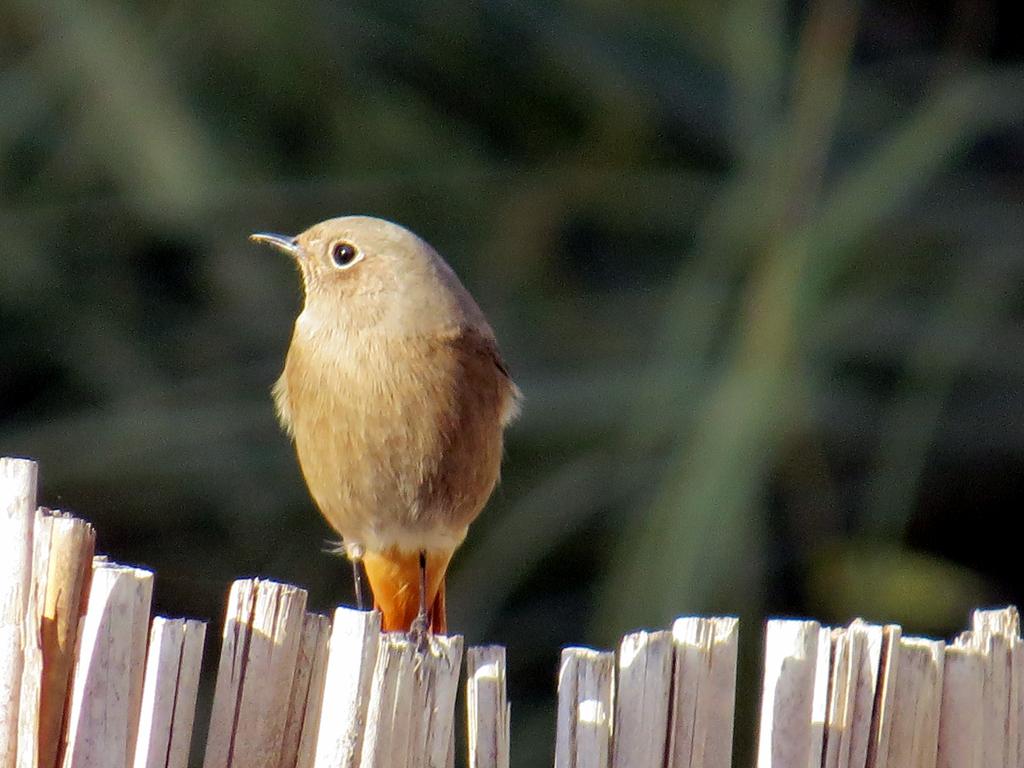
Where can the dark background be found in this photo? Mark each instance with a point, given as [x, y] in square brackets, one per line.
[756, 265]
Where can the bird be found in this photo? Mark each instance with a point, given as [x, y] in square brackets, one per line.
[396, 398]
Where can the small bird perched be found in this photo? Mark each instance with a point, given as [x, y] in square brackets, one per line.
[396, 398]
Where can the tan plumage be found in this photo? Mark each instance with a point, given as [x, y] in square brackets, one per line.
[396, 397]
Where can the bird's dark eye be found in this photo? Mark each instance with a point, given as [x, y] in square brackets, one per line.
[343, 254]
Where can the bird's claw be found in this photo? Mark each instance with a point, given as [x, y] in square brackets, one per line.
[419, 633]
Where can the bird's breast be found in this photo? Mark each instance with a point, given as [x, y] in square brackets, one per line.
[399, 439]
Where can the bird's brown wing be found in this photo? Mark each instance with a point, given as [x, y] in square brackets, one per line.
[482, 344]
[471, 341]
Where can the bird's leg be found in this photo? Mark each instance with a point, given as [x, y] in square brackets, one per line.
[421, 624]
[355, 556]
[357, 581]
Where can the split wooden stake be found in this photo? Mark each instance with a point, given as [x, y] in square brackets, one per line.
[585, 694]
[32, 669]
[488, 712]
[1017, 663]
[1004, 626]
[17, 517]
[856, 653]
[996, 635]
[254, 678]
[819, 703]
[410, 717]
[61, 564]
[300, 730]
[106, 693]
[885, 698]
[169, 693]
[71, 547]
[703, 692]
[837, 721]
[961, 730]
[790, 669]
[642, 696]
[352, 654]
[914, 738]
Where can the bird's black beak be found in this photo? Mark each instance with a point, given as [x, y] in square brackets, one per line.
[283, 243]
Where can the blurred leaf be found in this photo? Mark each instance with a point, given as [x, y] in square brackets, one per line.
[130, 119]
[973, 305]
[883, 583]
[698, 539]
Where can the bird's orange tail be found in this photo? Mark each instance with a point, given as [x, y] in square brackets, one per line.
[394, 577]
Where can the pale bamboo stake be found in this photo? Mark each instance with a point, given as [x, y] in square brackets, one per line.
[1018, 679]
[840, 703]
[961, 731]
[585, 694]
[866, 641]
[355, 637]
[488, 712]
[254, 677]
[999, 621]
[107, 687]
[642, 693]
[52, 621]
[32, 670]
[703, 692]
[716, 713]
[306, 756]
[790, 669]
[819, 704]
[692, 638]
[855, 663]
[995, 697]
[915, 722]
[169, 693]
[881, 720]
[72, 543]
[996, 633]
[299, 743]
[411, 713]
[1013, 725]
[18, 479]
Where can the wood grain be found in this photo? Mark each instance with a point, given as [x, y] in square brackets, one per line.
[488, 712]
[254, 677]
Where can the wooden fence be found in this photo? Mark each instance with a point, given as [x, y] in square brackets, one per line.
[89, 680]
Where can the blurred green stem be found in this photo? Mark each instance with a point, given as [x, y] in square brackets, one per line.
[976, 301]
[695, 541]
[131, 118]
[775, 193]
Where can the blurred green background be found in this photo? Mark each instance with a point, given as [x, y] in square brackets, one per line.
[756, 265]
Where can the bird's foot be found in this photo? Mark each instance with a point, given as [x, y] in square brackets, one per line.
[419, 630]
[419, 633]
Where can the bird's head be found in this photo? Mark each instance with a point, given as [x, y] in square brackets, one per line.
[363, 271]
